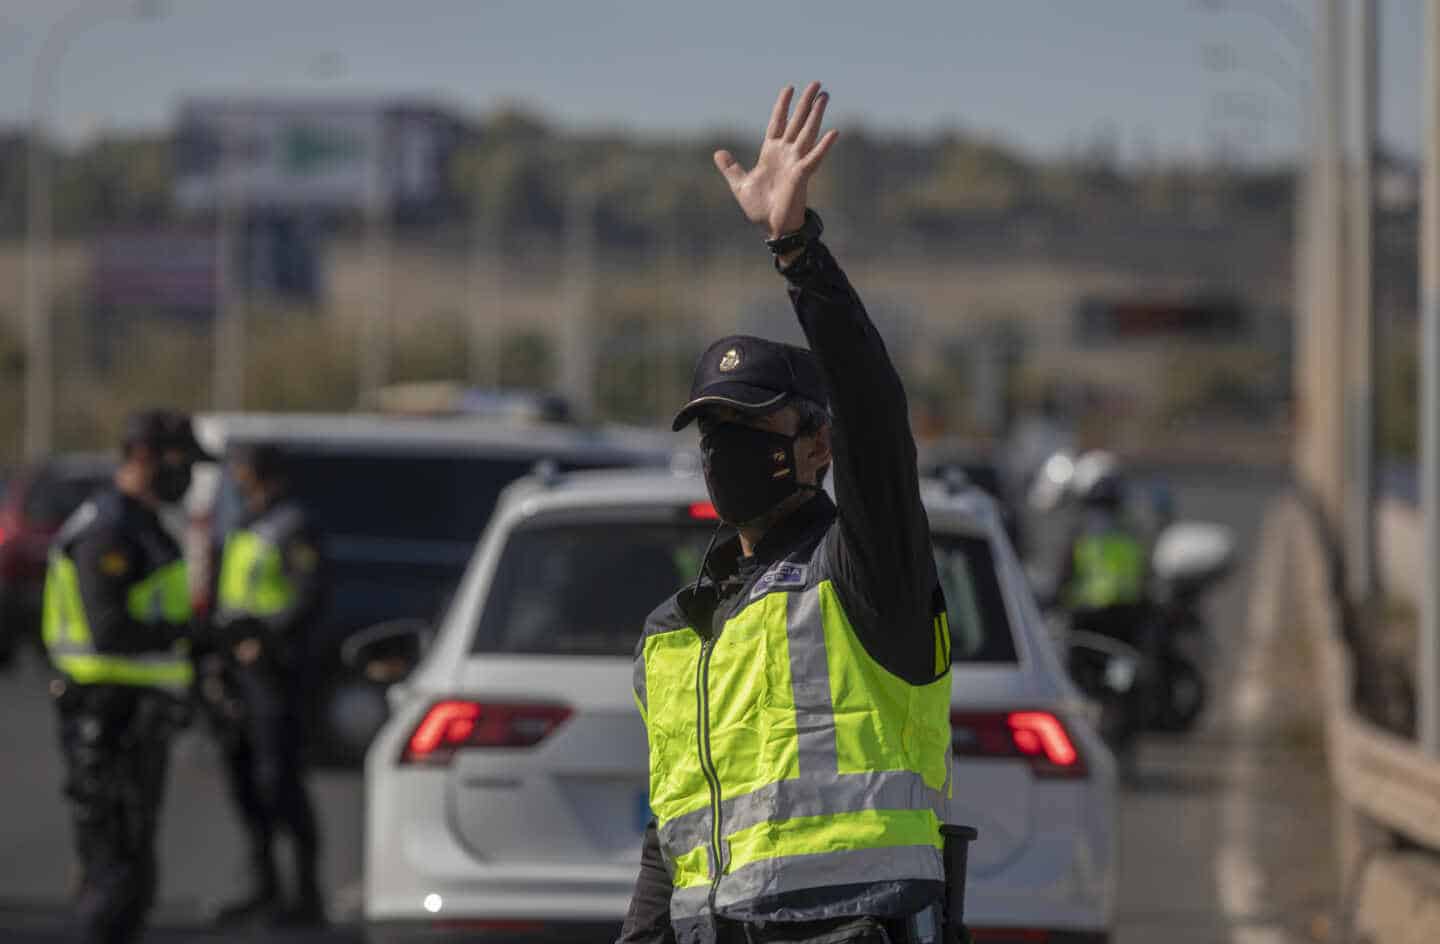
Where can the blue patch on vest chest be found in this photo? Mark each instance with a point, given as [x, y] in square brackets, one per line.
[782, 576]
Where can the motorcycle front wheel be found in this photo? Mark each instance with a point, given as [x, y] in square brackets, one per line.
[1184, 698]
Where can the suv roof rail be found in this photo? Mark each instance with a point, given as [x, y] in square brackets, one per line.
[955, 479]
[547, 473]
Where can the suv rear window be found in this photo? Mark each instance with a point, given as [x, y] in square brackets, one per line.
[418, 498]
[405, 497]
[585, 589]
[979, 625]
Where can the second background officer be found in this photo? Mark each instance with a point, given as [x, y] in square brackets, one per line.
[270, 593]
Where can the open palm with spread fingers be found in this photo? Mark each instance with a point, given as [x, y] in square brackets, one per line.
[772, 193]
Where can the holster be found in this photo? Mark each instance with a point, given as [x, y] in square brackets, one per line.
[957, 841]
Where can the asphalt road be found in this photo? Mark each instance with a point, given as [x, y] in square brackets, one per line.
[201, 844]
[1181, 878]
[1225, 838]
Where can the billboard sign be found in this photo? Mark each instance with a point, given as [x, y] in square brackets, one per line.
[170, 269]
[286, 155]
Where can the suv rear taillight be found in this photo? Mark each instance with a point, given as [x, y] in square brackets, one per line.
[10, 531]
[1037, 737]
[456, 724]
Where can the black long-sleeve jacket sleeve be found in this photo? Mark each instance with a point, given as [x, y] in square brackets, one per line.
[108, 562]
[648, 920]
[882, 549]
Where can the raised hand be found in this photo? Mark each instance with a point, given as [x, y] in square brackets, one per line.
[772, 193]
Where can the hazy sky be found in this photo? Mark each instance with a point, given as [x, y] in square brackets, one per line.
[1044, 74]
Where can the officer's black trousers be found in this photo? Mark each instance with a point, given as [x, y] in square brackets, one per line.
[265, 763]
[115, 744]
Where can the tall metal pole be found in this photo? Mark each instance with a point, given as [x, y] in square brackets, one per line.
[39, 352]
[39, 356]
[577, 346]
[1360, 349]
[670, 272]
[1321, 404]
[229, 331]
[375, 335]
[1429, 654]
[36, 312]
[484, 331]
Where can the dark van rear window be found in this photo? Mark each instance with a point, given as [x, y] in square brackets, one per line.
[417, 497]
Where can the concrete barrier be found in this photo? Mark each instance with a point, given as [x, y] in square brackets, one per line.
[1387, 791]
[1397, 547]
[1399, 900]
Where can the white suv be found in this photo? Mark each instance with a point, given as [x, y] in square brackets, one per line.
[507, 793]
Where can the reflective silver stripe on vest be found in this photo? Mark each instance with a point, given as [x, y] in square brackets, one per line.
[689, 902]
[638, 680]
[798, 873]
[155, 657]
[810, 682]
[828, 869]
[792, 799]
[276, 525]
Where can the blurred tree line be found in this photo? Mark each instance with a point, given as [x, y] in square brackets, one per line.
[895, 192]
[888, 185]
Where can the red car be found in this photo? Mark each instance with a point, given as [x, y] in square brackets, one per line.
[35, 504]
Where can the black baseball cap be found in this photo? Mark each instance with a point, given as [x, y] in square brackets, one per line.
[162, 430]
[752, 375]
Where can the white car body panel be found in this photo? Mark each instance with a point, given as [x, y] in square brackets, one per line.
[552, 833]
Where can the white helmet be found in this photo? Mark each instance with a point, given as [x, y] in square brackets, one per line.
[1052, 483]
[1098, 479]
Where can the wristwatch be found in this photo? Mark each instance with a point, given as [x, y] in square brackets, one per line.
[808, 232]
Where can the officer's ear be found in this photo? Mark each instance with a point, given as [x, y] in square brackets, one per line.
[139, 453]
[815, 448]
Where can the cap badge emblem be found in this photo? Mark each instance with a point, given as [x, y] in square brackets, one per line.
[730, 360]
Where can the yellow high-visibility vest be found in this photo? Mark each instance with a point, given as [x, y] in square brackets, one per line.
[784, 758]
[162, 596]
[253, 581]
[1109, 571]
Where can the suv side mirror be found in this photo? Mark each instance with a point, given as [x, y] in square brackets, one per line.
[387, 652]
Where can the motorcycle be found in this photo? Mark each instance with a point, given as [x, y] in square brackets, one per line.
[1153, 681]
[1107, 671]
[1189, 560]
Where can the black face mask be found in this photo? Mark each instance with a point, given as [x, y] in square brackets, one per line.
[172, 482]
[748, 471]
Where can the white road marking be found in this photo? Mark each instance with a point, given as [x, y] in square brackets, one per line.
[1238, 875]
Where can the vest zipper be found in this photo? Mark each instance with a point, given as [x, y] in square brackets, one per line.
[707, 760]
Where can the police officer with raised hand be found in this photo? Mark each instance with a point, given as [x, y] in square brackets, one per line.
[270, 591]
[796, 697]
[116, 625]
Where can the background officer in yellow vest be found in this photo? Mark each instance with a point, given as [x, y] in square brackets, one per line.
[1103, 575]
[796, 698]
[116, 625]
[270, 592]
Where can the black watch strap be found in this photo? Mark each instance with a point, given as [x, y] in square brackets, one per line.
[808, 232]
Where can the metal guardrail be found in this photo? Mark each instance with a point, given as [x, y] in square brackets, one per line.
[1382, 775]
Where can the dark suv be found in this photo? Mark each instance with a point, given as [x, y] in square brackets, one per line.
[36, 503]
[400, 503]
